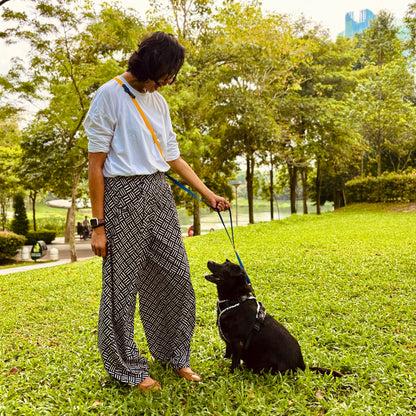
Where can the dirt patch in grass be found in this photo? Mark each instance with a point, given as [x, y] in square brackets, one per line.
[408, 207]
[379, 206]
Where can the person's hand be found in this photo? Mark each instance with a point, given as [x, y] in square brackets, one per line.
[219, 202]
[99, 241]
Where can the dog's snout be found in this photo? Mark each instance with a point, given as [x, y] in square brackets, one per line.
[211, 265]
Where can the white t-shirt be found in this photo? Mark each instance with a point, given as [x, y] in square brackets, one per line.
[115, 126]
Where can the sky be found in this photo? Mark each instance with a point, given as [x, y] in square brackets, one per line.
[329, 13]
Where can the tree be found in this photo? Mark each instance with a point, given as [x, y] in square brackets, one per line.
[189, 102]
[383, 97]
[387, 116]
[410, 21]
[44, 163]
[380, 42]
[10, 158]
[318, 136]
[189, 105]
[20, 223]
[188, 17]
[72, 54]
[251, 58]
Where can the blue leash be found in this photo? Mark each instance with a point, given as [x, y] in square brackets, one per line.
[231, 238]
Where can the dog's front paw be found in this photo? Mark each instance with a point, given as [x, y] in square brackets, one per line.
[233, 369]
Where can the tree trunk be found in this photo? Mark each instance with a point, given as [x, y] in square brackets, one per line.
[293, 182]
[277, 207]
[271, 193]
[304, 179]
[379, 139]
[3, 215]
[337, 199]
[318, 188]
[344, 196]
[70, 227]
[379, 153]
[249, 180]
[3, 204]
[67, 229]
[33, 195]
[197, 217]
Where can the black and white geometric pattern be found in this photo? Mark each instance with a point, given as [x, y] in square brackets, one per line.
[146, 257]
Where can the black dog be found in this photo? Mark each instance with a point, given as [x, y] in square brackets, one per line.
[250, 333]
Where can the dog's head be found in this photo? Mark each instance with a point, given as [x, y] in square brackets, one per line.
[230, 278]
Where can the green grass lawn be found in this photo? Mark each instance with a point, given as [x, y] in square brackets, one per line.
[343, 283]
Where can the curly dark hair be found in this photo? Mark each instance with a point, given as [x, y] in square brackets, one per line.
[157, 55]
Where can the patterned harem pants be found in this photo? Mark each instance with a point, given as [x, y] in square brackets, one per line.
[146, 257]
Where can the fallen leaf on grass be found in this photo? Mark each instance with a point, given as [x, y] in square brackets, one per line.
[319, 394]
[13, 371]
[251, 394]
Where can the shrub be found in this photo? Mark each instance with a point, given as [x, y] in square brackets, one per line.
[389, 187]
[10, 243]
[45, 235]
[55, 223]
[20, 222]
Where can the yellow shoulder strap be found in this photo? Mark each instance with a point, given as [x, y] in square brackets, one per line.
[142, 114]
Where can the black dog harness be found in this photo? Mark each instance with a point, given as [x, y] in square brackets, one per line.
[226, 305]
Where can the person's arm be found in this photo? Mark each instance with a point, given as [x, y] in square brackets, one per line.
[191, 178]
[96, 187]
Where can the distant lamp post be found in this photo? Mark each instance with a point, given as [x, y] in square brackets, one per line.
[236, 184]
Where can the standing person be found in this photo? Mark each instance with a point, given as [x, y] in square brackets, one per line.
[87, 228]
[86, 223]
[135, 223]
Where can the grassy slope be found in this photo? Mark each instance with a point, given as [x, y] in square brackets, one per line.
[343, 284]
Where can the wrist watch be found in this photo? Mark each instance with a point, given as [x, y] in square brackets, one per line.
[97, 222]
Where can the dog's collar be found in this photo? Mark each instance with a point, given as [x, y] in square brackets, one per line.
[223, 305]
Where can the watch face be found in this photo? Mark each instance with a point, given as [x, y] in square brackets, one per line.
[96, 222]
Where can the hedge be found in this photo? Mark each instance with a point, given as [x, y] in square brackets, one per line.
[45, 235]
[389, 187]
[10, 243]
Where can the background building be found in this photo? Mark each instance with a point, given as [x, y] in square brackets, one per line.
[352, 27]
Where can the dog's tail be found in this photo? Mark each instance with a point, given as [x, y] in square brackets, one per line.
[326, 371]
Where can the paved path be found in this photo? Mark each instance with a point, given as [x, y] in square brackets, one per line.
[83, 252]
